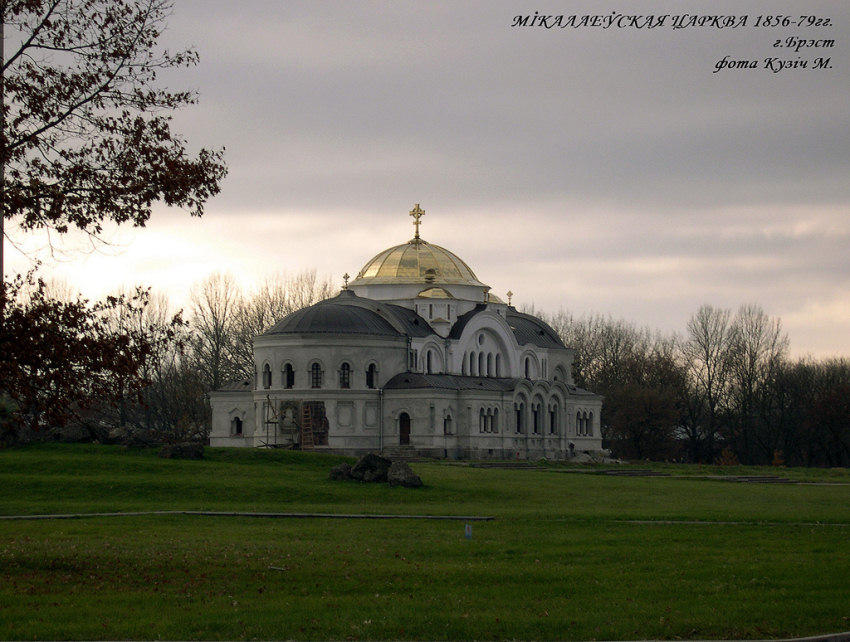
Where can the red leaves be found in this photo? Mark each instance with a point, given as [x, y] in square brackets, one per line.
[59, 358]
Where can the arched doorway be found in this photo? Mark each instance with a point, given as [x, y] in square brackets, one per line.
[404, 429]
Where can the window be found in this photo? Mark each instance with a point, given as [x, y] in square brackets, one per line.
[428, 362]
[345, 376]
[288, 376]
[553, 420]
[584, 423]
[267, 376]
[315, 376]
[520, 410]
[236, 426]
[488, 420]
[535, 418]
[527, 368]
[371, 379]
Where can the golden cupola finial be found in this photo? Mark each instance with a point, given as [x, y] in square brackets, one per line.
[417, 213]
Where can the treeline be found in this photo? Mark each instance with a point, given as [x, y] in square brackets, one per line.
[725, 391]
[128, 369]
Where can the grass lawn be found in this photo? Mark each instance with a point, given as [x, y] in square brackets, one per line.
[571, 553]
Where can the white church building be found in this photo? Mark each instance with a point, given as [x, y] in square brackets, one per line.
[414, 355]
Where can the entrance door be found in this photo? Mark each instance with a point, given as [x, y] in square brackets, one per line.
[404, 429]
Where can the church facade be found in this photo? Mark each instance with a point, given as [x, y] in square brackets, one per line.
[414, 355]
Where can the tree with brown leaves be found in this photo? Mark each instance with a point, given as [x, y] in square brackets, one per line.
[63, 359]
[86, 134]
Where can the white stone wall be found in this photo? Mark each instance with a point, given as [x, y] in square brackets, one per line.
[443, 422]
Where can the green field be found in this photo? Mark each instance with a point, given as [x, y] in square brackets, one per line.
[570, 554]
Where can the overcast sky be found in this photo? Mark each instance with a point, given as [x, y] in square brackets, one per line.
[595, 170]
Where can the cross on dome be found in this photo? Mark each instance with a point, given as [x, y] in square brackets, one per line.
[417, 213]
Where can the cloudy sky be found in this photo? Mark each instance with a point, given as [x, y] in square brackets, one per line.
[595, 170]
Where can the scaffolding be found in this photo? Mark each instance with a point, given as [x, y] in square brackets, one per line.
[270, 422]
[314, 424]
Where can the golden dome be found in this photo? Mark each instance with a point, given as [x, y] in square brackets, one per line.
[417, 261]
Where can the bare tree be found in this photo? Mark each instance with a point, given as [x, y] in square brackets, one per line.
[215, 302]
[757, 349]
[707, 354]
[278, 296]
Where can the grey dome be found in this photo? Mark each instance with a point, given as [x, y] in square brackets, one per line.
[349, 314]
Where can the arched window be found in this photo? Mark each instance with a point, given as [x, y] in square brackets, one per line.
[578, 423]
[495, 420]
[489, 364]
[345, 376]
[527, 368]
[590, 425]
[288, 376]
[428, 369]
[473, 364]
[498, 365]
[482, 368]
[535, 418]
[236, 426]
[447, 425]
[553, 419]
[404, 429]
[267, 376]
[371, 376]
[315, 375]
[519, 408]
[482, 421]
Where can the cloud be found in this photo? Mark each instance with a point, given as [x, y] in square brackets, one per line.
[604, 171]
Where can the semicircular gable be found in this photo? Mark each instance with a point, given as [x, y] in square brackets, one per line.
[541, 386]
[559, 387]
[523, 386]
[470, 326]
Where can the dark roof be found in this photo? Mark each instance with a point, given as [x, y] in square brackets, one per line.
[581, 391]
[530, 329]
[414, 380]
[406, 319]
[526, 328]
[236, 386]
[463, 319]
[348, 313]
